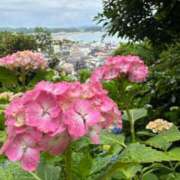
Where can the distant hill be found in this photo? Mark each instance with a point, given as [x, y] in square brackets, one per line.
[53, 30]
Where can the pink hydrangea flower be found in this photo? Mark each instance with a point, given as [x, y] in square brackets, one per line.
[43, 113]
[131, 66]
[122, 63]
[109, 111]
[92, 89]
[138, 73]
[94, 134]
[52, 115]
[55, 145]
[111, 71]
[80, 117]
[15, 113]
[23, 148]
[55, 89]
[98, 74]
[26, 60]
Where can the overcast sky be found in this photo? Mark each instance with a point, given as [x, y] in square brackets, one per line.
[51, 13]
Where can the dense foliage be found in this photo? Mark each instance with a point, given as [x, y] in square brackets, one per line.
[108, 126]
[141, 49]
[143, 152]
[158, 20]
[161, 91]
[13, 42]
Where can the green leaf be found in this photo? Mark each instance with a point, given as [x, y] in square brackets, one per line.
[139, 153]
[7, 76]
[12, 171]
[100, 164]
[85, 165]
[130, 169]
[145, 133]
[48, 172]
[175, 153]
[165, 139]
[136, 114]
[135, 153]
[170, 176]
[121, 171]
[82, 163]
[3, 106]
[2, 136]
[5, 174]
[2, 119]
[110, 138]
[150, 176]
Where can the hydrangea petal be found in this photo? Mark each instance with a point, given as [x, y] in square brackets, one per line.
[30, 159]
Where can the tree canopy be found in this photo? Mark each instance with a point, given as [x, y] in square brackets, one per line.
[156, 20]
[44, 39]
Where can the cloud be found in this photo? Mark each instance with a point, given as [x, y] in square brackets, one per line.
[52, 13]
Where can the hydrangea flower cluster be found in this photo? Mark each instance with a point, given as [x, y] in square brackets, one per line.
[116, 66]
[26, 60]
[159, 125]
[52, 115]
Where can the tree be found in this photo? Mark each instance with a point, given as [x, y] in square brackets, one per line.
[13, 42]
[156, 20]
[44, 39]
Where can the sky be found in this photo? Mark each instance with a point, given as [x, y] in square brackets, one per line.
[48, 13]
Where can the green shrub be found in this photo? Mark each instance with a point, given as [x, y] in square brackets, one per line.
[165, 81]
[143, 50]
[161, 90]
[13, 42]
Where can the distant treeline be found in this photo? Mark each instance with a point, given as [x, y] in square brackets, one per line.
[53, 30]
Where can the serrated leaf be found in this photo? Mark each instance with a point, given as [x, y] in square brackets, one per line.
[48, 172]
[136, 114]
[110, 138]
[165, 139]
[139, 153]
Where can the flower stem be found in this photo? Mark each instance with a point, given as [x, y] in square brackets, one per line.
[67, 161]
[132, 128]
[35, 176]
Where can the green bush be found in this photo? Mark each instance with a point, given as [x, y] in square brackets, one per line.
[13, 42]
[165, 81]
[143, 50]
[161, 90]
